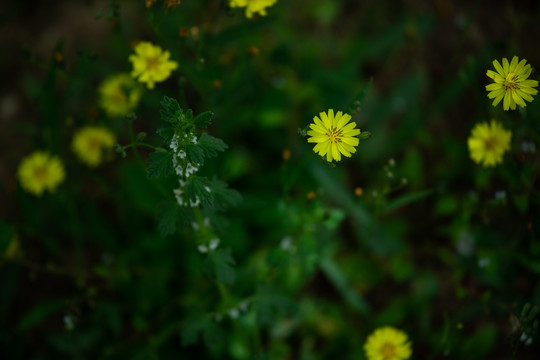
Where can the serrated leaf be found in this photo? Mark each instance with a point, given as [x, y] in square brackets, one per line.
[168, 215]
[195, 154]
[222, 262]
[268, 304]
[170, 110]
[211, 145]
[203, 120]
[223, 195]
[166, 134]
[197, 324]
[159, 164]
[198, 188]
[192, 327]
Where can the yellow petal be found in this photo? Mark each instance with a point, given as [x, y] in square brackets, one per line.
[498, 67]
[506, 66]
[518, 99]
[513, 64]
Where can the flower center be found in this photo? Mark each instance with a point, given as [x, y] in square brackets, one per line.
[388, 351]
[491, 143]
[334, 135]
[511, 81]
[152, 63]
[41, 173]
[94, 145]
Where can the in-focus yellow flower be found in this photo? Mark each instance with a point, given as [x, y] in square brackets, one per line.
[151, 64]
[334, 135]
[92, 144]
[119, 95]
[511, 83]
[488, 143]
[387, 343]
[253, 6]
[39, 172]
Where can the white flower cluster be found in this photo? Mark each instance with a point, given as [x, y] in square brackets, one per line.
[212, 245]
[234, 312]
[183, 168]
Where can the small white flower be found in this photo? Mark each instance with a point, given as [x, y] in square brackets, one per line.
[202, 249]
[178, 195]
[233, 313]
[195, 226]
[214, 243]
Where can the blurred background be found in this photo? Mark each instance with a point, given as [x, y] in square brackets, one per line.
[409, 232]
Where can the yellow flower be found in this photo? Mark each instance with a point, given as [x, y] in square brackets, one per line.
[253, 6]
[39, 172]
[92, 144]
[119, 95]
[333, 135]
[151, 64]
[387, 343]
[488, 143]
[511, 83]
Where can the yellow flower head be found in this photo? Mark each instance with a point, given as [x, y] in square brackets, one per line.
[119, 95]
[488, 143]
[39, 172]
[151, 64]
[511, 83]
[387, 343]
[334, 135]
[92, 144]
[253, 6]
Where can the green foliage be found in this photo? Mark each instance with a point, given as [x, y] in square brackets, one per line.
[222, 263]
[204, 119]
[211, 145]
[159, 164]
[215, 232]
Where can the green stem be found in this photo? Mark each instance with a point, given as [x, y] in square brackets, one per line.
[133, 142]
[141, 144]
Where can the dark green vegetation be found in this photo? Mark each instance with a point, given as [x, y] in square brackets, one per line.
[108, 267]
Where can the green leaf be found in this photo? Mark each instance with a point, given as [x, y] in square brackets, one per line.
[39, 313]
[222, 262]
[211, 145]
[193, 326]
[406, 199]
[170, 110]
[204, 120]
[199, 323]
[268, 304]
[338, 279]
[195, 154]
[199, 188]
[223, 195]
[159, 164]
[166, 134]
[170, 216]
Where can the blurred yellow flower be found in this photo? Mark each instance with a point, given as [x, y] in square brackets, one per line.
[511, 83]
[151, 64]
[92, 144]
[39, 172]
[488, 143]
[334, 135]
[387, 343]
[253, 6]
[119, 95]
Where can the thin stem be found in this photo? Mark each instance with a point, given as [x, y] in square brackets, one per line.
[141, 144]
[133, 142]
